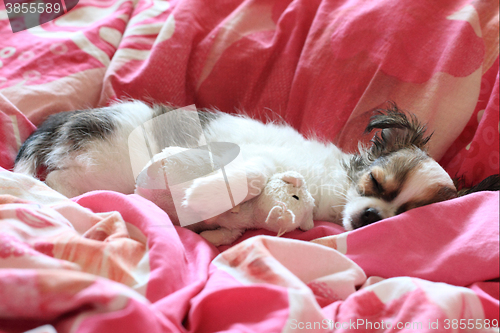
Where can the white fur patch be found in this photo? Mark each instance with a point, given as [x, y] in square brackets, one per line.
[416, 188]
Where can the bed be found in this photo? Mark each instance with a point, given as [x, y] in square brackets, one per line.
[106, 262]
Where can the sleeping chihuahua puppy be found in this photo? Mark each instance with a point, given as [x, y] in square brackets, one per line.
[80, 151]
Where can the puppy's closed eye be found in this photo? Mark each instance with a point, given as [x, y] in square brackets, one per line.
[377, 183]
[378, 188]
[370, 186]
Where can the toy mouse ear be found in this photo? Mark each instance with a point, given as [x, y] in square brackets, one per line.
[295, 180]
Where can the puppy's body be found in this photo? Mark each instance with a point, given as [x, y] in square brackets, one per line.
[88, 150]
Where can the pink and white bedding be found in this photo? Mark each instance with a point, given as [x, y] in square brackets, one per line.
[107, 262]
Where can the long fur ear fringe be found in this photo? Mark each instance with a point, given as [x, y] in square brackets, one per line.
[399, 129]
[491, 183]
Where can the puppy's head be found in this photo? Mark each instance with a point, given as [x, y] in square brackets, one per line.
[395, 174]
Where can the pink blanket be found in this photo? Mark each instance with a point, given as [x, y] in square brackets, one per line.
[108, 262]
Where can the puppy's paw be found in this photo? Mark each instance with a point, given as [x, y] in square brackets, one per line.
[170, 151]
[208, 197]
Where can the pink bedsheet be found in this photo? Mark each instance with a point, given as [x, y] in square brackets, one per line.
[109, 262]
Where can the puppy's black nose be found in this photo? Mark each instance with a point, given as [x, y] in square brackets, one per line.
[370, 215]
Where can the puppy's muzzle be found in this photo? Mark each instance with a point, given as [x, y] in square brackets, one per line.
[368, 216]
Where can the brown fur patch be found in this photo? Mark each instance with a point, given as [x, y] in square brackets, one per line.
[386, 179]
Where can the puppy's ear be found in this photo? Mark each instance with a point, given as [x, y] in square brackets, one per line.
[491, 183]
[399, 130]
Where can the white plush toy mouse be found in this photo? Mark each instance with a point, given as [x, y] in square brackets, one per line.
[284, 204]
